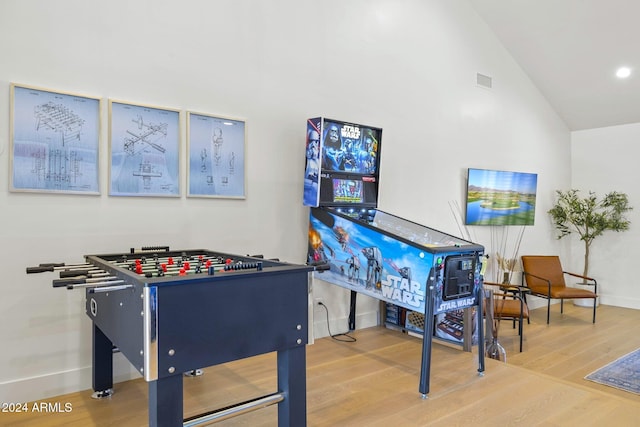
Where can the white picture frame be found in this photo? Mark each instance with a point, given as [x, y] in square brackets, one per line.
[144, 150]
[216, 147]
[55, 141]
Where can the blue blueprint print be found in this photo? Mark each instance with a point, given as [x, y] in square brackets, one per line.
[55, 142]
[216, 156]
[145, 157]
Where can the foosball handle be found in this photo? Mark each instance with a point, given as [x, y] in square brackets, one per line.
[59, 283]
[39, 269]
[320, 266]
[73, 273]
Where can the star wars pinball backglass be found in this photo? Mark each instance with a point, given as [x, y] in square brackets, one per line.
[342, 164]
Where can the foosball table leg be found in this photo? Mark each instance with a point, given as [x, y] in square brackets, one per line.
[292, 381]
[165, 401]
[102, 366]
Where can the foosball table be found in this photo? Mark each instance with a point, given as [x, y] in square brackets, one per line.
[174, 312]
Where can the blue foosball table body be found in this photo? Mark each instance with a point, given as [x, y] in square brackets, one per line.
[180, 321]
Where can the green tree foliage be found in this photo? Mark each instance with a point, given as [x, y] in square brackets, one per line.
[589, 216]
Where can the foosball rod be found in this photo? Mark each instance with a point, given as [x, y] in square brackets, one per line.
[58, 283]
[91, 270]
[42, 268]
[183, 257]
[95, 273]
[165, 260]
[102, 286]
[155, 267]
[89, 274]
[175, 271]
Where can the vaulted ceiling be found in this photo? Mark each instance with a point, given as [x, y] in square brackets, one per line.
[571, 49]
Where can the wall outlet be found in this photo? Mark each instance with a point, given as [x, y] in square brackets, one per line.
[317, 302]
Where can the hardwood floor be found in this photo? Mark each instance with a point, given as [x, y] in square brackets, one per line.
[374, 381]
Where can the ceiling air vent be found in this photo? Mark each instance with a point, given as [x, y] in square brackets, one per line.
[484, 81]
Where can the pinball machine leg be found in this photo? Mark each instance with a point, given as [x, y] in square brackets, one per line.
[102, 364]
[480, 328]
[292, 381]
[425, 366]
[352, 311]
[165, 402]
[427, 341]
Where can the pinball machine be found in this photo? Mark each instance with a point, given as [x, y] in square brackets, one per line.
[433, 275]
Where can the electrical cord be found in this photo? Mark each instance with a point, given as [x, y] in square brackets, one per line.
[348, 337]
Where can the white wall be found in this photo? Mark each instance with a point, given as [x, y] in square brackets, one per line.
[604, 160]
[408, 67]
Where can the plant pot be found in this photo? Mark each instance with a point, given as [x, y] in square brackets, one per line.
[585, 302]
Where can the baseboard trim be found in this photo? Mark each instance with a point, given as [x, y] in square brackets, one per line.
[620, 302]
[341, 325]
[54, 384]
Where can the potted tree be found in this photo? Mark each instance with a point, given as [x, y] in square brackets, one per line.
[589, 217]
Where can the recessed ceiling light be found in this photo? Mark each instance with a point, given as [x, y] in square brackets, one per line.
[623, 72]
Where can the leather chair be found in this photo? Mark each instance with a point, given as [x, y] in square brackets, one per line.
[509, 304]
[544, 277]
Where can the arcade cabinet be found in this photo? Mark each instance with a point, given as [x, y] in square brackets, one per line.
[368, 251]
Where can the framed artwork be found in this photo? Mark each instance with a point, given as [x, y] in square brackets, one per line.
[144, 147]
[55, 140]
[216, 156]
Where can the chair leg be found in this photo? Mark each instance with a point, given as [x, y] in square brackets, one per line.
[548, 309]
[520, 331]
[595, 300]
[561, 306]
